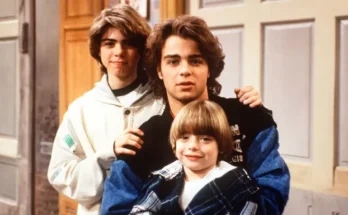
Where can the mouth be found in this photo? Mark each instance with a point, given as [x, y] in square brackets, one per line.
[193, 157]
[118, 62]
[186, 86]
[186, 83]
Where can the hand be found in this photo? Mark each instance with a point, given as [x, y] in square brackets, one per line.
[248, 96]
[130, 138]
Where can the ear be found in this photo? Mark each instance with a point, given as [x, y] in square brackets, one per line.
[159, 73]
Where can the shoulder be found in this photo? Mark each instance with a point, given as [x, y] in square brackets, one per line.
[227, 104]
[222, 101]
[81, 101]
[158, 121]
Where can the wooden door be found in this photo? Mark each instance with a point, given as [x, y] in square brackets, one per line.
[78, 70]
[295, 53]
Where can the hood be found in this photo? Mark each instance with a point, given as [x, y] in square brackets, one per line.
[102, 92]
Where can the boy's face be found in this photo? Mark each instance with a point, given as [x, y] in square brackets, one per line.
[183, 70]
[197, 153]
[119, 55]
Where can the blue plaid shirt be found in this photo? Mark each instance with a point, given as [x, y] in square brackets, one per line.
[233, 193]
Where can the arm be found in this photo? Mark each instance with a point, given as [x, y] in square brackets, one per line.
[268, 169]
[121, 189]
[71, 172]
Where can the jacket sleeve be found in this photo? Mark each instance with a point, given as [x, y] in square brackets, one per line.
[121, 189]
[71, 172]
[269, 170]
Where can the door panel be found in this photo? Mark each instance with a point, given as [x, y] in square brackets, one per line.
[8, 83]
[81, 69]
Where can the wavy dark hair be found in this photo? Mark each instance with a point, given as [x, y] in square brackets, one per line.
[187, 27]
[131, 24]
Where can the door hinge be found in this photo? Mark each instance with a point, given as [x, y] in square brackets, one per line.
[24, 38]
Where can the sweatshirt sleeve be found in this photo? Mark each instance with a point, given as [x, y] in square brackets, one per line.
[71, 172]
[269, 170]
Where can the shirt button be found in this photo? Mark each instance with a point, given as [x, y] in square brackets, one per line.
[127, 112]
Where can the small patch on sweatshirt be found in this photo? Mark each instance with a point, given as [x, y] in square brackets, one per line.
[68, 140]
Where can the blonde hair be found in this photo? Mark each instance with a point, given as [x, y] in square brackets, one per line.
[130, 23]
[203, 118]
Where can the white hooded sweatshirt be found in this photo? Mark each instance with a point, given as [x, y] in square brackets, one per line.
[83, 147]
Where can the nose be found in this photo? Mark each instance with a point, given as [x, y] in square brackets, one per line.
[193, 144]
[185, 69]
[118, 49]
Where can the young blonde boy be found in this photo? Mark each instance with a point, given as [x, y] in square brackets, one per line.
[200, 182]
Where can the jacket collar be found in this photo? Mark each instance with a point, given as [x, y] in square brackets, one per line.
[170, 171]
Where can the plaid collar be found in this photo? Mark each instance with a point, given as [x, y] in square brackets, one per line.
[170, 171]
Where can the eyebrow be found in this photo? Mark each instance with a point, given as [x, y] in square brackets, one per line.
[178, 56]
[107, 39]
[112, 40]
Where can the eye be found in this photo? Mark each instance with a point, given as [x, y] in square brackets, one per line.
[173, 62]
[128, 43]
[206, 138]
[109, 44]
[185, 137]
[196, 61]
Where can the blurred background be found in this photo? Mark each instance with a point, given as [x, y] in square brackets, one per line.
[295, 52]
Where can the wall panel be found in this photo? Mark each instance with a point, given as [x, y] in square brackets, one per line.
[232, 41]
[287, 84]
[343, 94]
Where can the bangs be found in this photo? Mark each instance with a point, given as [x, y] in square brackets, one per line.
[198, 122]
[203, 118]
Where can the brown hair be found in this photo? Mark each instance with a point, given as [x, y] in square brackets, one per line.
[187, 27]
[203, 118]
[129, 22]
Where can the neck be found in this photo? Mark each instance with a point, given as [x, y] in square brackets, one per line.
[193, 175]
[118, 83]
[175, 106]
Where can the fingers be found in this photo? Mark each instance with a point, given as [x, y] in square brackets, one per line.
[248, 97]
[136, 131]
[128, 142]
[253, 102]
[236, 91]
[126, 151]
[244, 90]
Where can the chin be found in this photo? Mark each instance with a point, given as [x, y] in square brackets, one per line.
[187, 99]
